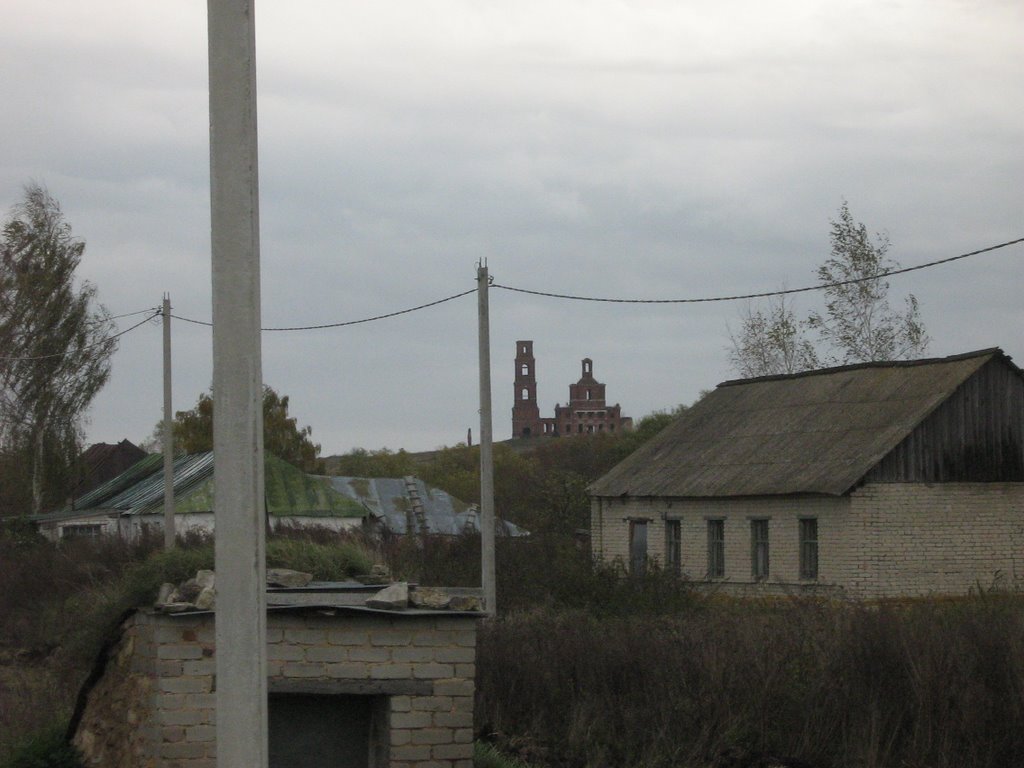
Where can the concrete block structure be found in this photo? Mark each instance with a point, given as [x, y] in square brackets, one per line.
[347, 686]
[586, 413]
[870, 481]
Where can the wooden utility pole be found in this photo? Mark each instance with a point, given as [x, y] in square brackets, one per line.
[486, 448]
[240, 550]
[169, 532]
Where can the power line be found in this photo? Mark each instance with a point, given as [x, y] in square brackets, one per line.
[347, 322]
[156, 312]
[137, 312]
[764, 294]
[101, 342]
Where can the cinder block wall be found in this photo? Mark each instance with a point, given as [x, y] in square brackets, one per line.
[155, 704]
[949, 538]
[610, 534]
[883, 540]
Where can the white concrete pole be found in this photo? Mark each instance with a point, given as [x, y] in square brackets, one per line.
[237, 390]
[169, 531]
[486, 448]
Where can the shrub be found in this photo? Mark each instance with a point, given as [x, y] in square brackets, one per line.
[938, 684]
[488, 756]
[47, 748]
[327, 562]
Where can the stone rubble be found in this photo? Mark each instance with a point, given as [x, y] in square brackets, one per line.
[200, 594]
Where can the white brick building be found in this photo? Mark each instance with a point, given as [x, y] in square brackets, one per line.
[347, 686]
[873, 480]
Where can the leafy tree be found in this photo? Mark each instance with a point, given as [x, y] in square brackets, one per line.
[770, 341]
[858, 325]
[57, 344]
[360, 462]
[282, 436]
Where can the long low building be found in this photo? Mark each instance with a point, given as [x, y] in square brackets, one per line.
[872, 480]
[133, 502]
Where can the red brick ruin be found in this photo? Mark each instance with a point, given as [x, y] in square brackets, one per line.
[585, 414]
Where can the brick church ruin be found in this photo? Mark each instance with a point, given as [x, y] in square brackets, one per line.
[586, 412]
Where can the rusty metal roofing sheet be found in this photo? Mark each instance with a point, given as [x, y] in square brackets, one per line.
[393, 501]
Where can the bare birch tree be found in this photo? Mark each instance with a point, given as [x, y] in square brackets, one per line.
[858, 324]
[770, 340]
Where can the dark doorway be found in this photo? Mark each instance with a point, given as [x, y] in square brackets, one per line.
[317, 731]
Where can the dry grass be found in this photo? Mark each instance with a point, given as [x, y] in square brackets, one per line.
[837, 685]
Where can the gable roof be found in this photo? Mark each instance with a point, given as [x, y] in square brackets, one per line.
[817, 432]
[104, 461]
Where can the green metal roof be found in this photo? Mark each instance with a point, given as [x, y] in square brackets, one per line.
[289, 491]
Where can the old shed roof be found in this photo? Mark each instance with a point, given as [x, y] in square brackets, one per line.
[817, 432]
[396, 502]
[140, 490]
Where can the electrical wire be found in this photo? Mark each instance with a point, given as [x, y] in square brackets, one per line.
[157, 312]
[764, 294]
[99, 343]
[138, 312]
[347, 322]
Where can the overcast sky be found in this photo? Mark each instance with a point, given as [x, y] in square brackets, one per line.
[655, 149]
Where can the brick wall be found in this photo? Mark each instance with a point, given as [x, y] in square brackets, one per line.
[421, 667]
[610, 535]
[883, 540]
[946, 538]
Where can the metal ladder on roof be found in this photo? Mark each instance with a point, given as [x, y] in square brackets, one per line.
[416, 503]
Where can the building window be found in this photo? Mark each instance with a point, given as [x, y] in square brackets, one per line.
[526, 394]
[525, 370]
[809, 548]
[759, 549]
[81, 530]
[716, 549]
[637, 546]
[674, 546]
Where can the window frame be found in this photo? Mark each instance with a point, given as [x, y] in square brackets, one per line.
[760, 548]
[809, 548]
[82, 530]
[716, 548]
[638, 559]
[674, 546]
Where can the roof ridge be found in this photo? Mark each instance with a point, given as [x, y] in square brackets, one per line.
[871, 364]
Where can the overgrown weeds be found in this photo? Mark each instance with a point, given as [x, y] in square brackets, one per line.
[588, 667]
[836, 685]
[60, 603]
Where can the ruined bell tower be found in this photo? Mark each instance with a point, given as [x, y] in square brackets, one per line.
[586, 413]
[525, 413]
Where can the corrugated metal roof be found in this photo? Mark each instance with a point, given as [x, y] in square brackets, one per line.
[393, 500]
[814, 432]
[289, 492]
[147, 495]
[126, 479]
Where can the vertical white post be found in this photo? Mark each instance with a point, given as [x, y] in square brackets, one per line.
[237, 390]
[486, 444]
[168, 448]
